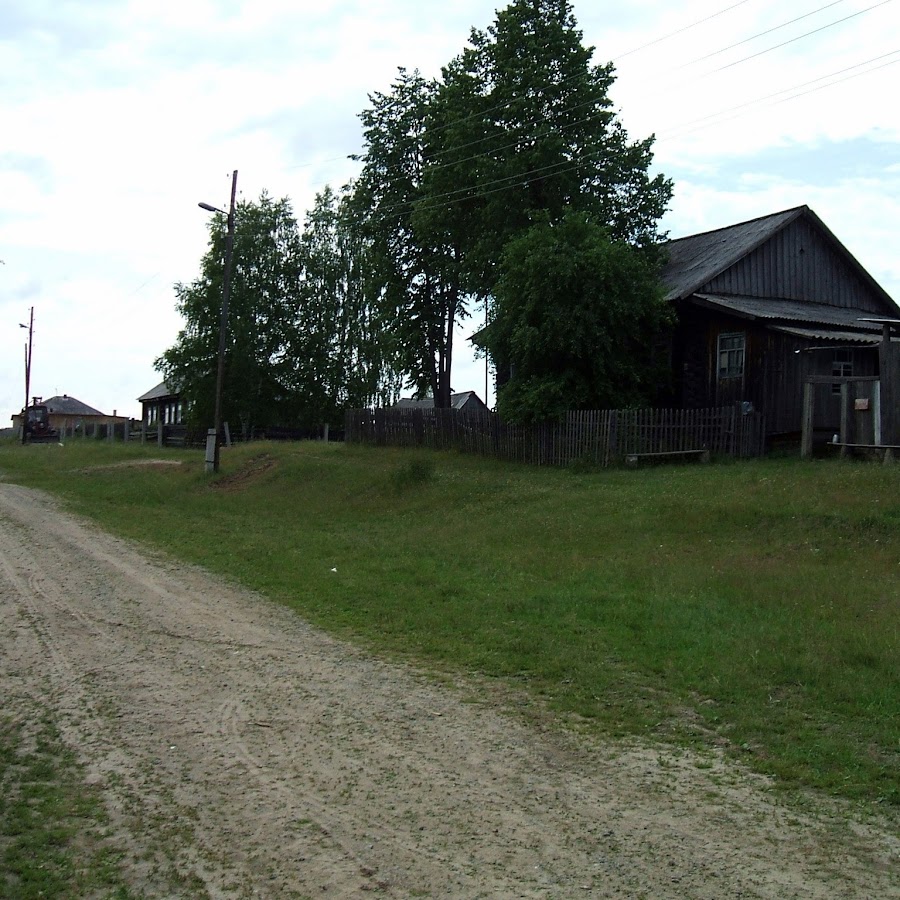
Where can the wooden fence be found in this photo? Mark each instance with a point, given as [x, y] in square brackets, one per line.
[600, 437]
[195, 438]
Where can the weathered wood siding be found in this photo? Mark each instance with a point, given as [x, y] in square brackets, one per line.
[775, 366]
[798, 263]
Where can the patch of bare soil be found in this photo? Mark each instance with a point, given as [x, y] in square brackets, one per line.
[243, 754]
[132, 464]
[252, 470]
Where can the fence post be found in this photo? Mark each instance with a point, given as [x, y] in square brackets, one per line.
[613, 445]
[806, 439]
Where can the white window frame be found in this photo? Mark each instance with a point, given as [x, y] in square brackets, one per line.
[731, 349]
[841, 368]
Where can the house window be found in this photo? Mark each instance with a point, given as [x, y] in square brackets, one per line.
[841, 367]
[731, 355]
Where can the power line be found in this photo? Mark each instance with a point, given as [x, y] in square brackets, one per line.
[760, 34]
[762, 100]
[506, 104]
[801, 36]
[493, 150]
[564, 166]
[672, 34]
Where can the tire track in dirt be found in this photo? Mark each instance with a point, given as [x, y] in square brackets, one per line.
[244, 754]
[79, 699]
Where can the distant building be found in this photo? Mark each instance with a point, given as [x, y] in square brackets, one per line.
[465, 401]
[161, 404]
[67, 414]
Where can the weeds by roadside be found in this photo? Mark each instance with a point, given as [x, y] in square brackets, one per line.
[52, 825]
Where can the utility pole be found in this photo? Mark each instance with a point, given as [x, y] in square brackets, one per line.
[223, 323]
[30, 327]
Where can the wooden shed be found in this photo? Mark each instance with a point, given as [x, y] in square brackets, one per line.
[764, 305]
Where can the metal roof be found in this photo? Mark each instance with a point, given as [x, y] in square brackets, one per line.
[817, 334]
[698, 258]
[794, 311]
[69, 406]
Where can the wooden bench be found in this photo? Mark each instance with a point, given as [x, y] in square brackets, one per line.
[633, 459]
[874, 449]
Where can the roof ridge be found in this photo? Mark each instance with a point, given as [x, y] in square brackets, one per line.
[793, 209]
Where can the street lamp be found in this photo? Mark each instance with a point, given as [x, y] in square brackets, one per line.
[212, 464]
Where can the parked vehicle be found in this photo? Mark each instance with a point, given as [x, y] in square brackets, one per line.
[37, 425]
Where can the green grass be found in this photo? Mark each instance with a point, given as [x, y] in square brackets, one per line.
[52, 826]
[752, 606]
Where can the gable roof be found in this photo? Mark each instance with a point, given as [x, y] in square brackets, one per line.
[457, 401]
[161, 390]
[69, 406]
[698, 258]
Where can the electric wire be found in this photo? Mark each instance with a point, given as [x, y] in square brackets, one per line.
[565, 166]
[672, 34]
[506, 104]
[802, 36]
[666, 137]
[760, 34]
[722, 116]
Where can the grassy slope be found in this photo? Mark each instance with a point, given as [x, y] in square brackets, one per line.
[751, 605]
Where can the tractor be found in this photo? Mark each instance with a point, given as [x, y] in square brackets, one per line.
[37, 424]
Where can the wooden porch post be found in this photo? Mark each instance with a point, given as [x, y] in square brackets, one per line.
[890, 389]
[806, 440]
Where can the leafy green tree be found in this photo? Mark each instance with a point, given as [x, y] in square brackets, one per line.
[343, 357]
[302, 343]
[523, 131]
[525, 152]
[519, 132]
[415, 270]
[575, 319]
[263, 296]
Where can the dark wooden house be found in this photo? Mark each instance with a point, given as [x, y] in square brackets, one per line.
[161, 404]
[765, 304]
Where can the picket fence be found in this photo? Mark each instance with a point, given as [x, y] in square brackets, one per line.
[597, 437]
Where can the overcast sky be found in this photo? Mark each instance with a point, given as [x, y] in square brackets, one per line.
[118, 116]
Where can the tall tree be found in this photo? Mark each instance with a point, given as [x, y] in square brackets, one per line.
[343, 356]
[520, 132]
[263, 296]
[303, 341]
[523, 131]
[528, 154]
[416, 278]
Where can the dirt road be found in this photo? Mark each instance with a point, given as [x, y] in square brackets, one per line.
[242, 753]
